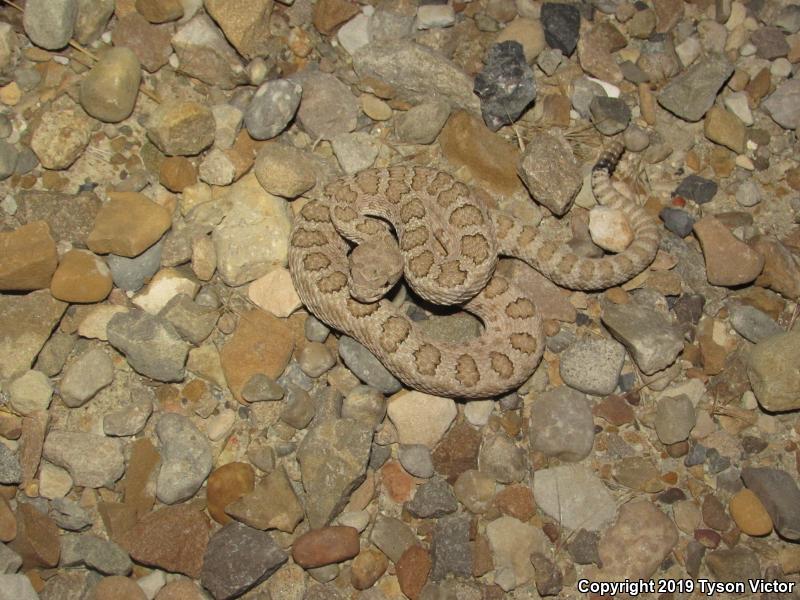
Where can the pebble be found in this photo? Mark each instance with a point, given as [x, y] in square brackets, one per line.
[416, 459]
[366, 367]
[50, 24]
[782, 104]
[17, 587]
[512, 542]
[678, 221]
[529, 33]
[505, 85]
[245, 25]
[549, 170]
[752, 324]
[692, 93]
[450, 549]
[8, 160]
[392, 537]
[130, 274]
[150, 43]
[675, 418]
[203, 52]
[92, 460]
[719, 247]
[355, 151]
[272, 107]
[725, 128]
[354, 34]
[561, 24]
[10, 470]
[575, 496]
[150, 344]
[284, 170]
[413, 569]
[272, 504]
[61, 137]
[30, 393]
[749, 513]
[275, 293]
[772, 371]
[421, 418]
[81, 277]
[186, 459]
[333, 461]
[327, 107]
[109, 91]
[733, 564]
[128, 225]
[30, 257]
[89, 374]
[364, 404]
[328, 545]
[181, 128]
[422, 123]
[609, 115]
[475, 490]
[367, 568]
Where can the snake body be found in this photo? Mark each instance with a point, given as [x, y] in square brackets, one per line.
[449, 242]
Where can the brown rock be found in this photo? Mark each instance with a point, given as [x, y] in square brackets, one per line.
[160, 11]
[177, 173]
[412, 571]
[273, 504]
[37, 540]
[180, 590]
[26, 323]
[82, 277]
[261, 344]
[70, 217]
[668, 14]
[725, 128]
[329, 14]
[118, 518]
[467, 142]
[749, 513]
[482, 560]
[128, 225]
[173, 538]
[227, 484]
[457, 452]
[244, 22]
[117, 588]
[31, 444]
[28, 257]
[615, 410]
[781, 267]
[367, 568]
[150, 43]
[138, 482]
[594, 52]
[181, 128]
[398, 483]
[516, 501]
[729, 262]
[8, 522]
[758, 87]
[325, 546]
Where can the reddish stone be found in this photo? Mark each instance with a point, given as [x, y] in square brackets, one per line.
[138, 486]
[398, 483]
[615, 410]
[412, 571]
[708, 537]
[173, 538]
[37, 540]
[117, 588]
[457, 452]
[367, 568]
[325, 546]
[180, 590]
[516, 501]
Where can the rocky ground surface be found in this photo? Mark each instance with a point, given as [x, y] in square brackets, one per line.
[174, 426]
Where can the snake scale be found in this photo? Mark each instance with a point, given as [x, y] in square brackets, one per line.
[449, 242]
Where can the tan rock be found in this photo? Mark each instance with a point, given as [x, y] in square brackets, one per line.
[725, 128]
[244, 22]
[781, 267]
[225, 486]
[375, 108]
[177, 173]
[8, 522]
[273, 504]
[325, 546]
[467, 142]
[367, 568]
[180, 590]
[528, 32]
[117, 587]
[150, 43]
[610, 229]
[28, 257]
[329, 14]
[749, 513]
[261, 344]
[163, 287]
[61, 137]
[275, 293]
[37, 540]
[128, 225]
[95, 324]
[284, 170]
[81, 277]
[160, 11]
[181, 128]
[729, 262]
[109, 91]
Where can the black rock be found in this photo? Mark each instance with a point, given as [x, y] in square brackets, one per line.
[583, 547]
[689, 308]
[451, 549]
[677, 221]
[562, 23]
[505, 85]
[671, 496]
[696, 188]
[434, 498]
[696, 456]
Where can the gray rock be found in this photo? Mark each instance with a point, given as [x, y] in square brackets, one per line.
[675, 418]
[501, 459]
[789, 18]
[574, 496]
[365, 404]
[17, 587]
[752, 324]
[592, 365]
[748, 194]
[260, 388]
[69, 515]
[238, 558]
[433, 499]
[692, 93]
[92, 460]
[451, 550]
[561, 424]
[355, 151]
[422, 123]
[272, 107]
[416, 459]
[10, 470]
[85, 377]
[130, 274]
[10, 561]
[770, 43]
[29, 393]
[733, 564]
[333, 461]
[130, 419]
[392, 537]
[328, 108]
[780, 495]
[783, 105]
[9, 55]
[50, 23]
[8, 160]
[648, 335]
[582, 547]
[70, 584]
[298, 408]
[205, 54]
[416, 72]
[697, 189]
[774, 371]
[93, 16]
[101, 555]
[186, 458]
[151, 345]
[53, 355]
[315, 330]
[609, 115]
[505, 85]
[561, 24]
[366, 367]
[193, 322]
[510, 540]
[550, 172]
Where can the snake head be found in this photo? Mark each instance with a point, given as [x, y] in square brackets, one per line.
[375, 267]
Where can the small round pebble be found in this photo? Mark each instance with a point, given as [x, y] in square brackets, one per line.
[749, 513]
[416, 459]
[315, 359]
[117, 588]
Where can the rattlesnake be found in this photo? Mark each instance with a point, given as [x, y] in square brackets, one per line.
[449, 242]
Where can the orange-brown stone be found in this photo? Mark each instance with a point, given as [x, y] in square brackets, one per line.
[28, 257]
[325, 546]
[227, 484]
